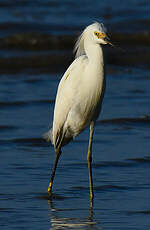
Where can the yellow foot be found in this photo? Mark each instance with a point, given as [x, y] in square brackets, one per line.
[50, 187]
[91, 200]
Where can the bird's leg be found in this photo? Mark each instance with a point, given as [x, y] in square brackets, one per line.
[58, 153]
[89, 159]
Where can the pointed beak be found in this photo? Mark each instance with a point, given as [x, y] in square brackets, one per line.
[107, 40]
[104, 37]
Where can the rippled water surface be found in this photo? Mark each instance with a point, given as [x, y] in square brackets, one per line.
[121, 149]
[67, 15]
[121, 155]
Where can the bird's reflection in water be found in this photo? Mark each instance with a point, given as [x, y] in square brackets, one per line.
[79, 223]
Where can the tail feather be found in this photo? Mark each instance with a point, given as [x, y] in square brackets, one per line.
[48, 136]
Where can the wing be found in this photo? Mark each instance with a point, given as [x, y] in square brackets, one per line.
[66, 94]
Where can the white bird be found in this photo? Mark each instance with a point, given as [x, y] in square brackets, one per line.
[80, 94]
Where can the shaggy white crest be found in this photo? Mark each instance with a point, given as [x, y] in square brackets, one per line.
[79, 46]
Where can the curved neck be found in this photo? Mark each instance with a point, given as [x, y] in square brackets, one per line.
[94, 53]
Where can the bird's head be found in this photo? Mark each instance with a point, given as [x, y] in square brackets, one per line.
[97, 33]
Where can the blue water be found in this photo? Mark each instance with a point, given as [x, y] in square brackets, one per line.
[67, 16]
[121, 156]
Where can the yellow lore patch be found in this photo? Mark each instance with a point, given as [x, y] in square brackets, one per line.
[100, 35]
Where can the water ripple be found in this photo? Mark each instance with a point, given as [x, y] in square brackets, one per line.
[139, 212]
[142, 160]
[10, 104]
[126, 120]
[7, 127]
[120, 164]
[30, 141]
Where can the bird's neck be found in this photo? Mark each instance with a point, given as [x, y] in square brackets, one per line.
[94, 53]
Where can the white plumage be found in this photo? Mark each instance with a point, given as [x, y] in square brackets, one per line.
[80, 92]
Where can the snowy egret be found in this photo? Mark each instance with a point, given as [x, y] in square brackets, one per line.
[80, 94]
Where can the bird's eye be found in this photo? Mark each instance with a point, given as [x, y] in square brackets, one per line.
[96, 33]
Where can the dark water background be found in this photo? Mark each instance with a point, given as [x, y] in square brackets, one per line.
[36, 42]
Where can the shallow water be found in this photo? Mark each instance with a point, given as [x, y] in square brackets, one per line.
[121, 158]
[68, 15]
[121, 149]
